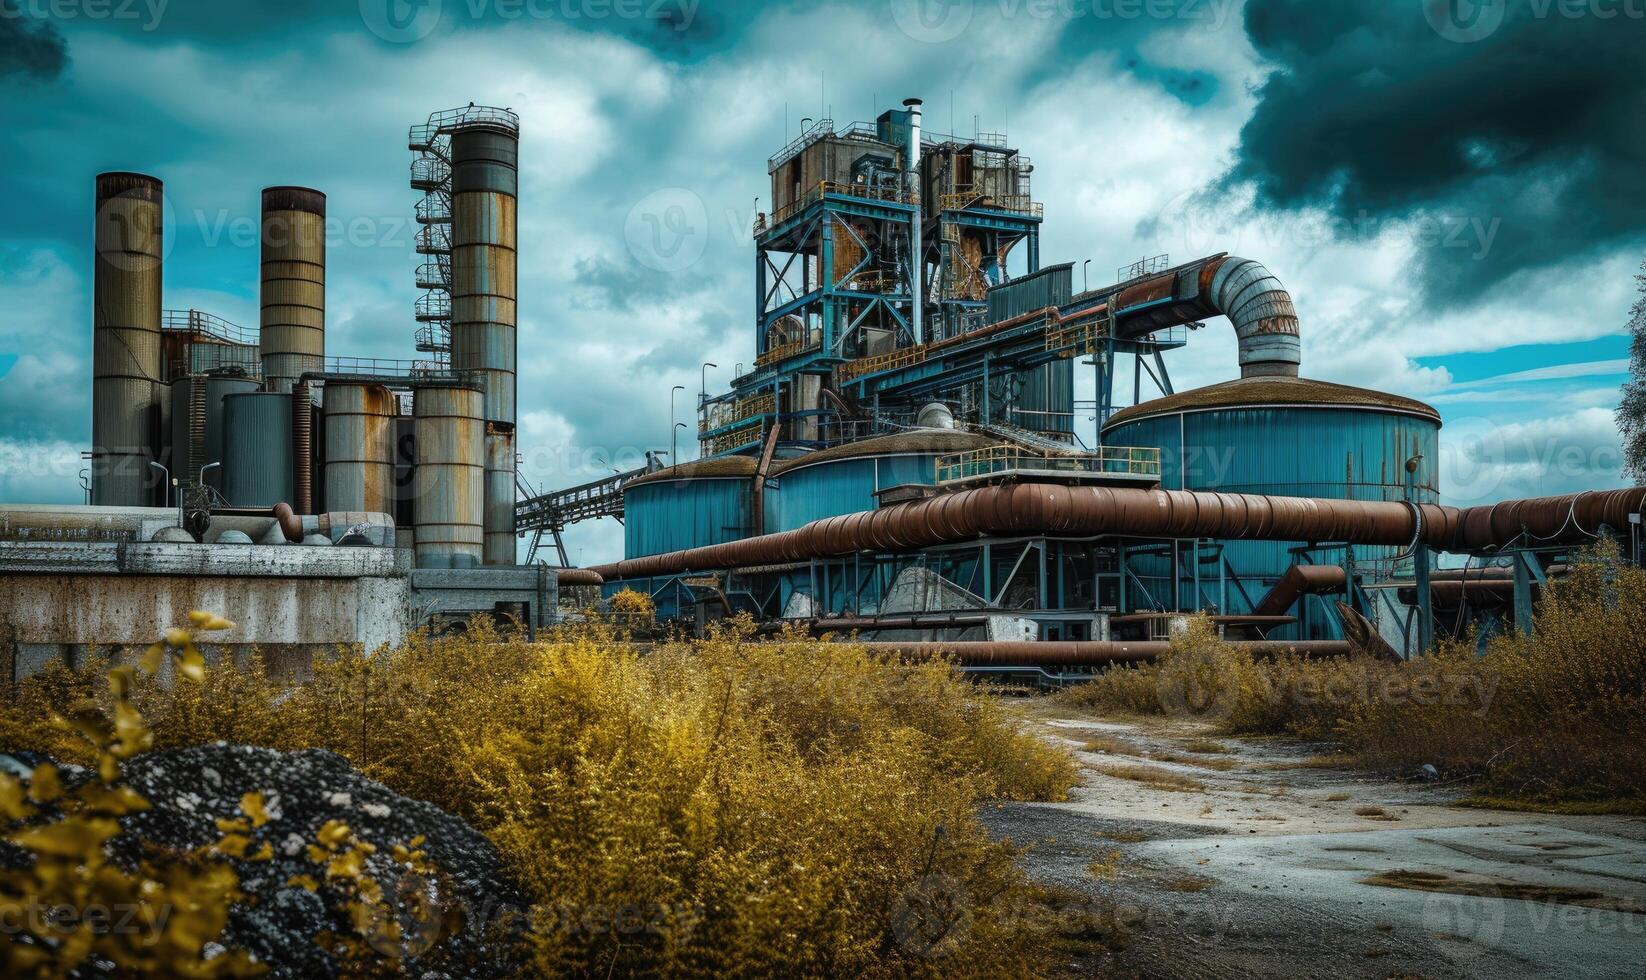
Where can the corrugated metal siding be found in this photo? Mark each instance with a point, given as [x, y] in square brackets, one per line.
[1046, 400]
[1051, 286]
[842, 486]
[671, 515]
[1349, 454]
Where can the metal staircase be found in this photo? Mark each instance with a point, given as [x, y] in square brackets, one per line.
[431, 173]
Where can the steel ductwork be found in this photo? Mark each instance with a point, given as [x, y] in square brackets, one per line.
[1259, 307]
[1051, 509]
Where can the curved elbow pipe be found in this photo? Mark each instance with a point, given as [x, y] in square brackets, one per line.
[1264, 317]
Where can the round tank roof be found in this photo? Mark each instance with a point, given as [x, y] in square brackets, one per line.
[700, 469]
[1273, 392]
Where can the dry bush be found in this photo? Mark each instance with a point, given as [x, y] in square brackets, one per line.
[1555, 719]
[716, 807]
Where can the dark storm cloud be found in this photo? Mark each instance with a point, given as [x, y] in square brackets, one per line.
[29, 47]
[1379, 111]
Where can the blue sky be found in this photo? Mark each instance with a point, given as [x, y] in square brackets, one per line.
[1456, 206]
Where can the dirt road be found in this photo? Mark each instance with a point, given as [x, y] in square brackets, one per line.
[1219, 857]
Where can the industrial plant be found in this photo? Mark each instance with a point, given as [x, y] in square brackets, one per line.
[903, 459]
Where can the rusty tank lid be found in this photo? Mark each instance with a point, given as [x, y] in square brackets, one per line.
[1272, 392]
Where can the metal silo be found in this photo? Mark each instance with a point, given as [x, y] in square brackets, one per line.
[126, 344]
[197, 423]
[293, 336]
[484, 182]
[499, 506]
[449, 478]
[360, 434]
[1291, 437]
[257, 449]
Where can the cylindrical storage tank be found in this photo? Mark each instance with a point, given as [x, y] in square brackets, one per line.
[257, 449]
[197, 423]
[126, 345]
[499, 508]
[704, 502]
[845, 479]
[1289, 437]
[293, 298]
[449, 477]
[359, 453]
[485, 182]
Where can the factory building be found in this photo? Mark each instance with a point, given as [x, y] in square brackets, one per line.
[903, 457]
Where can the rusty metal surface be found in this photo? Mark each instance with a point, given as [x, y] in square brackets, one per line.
[293, 294]
[485, 182]
[578, 577]
[127, 368]
[359, 441]
[1033, 509]
[302, 452]
[449, 477]
[499, 507]
[1301, 580]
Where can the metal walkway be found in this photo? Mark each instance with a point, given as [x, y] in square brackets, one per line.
[550, 513]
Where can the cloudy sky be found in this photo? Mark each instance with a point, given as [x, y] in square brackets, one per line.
[1452, 190]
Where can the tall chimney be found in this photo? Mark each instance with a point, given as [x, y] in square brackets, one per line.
[917, 254]
[485, 185]
[126, 385]
[293, 334]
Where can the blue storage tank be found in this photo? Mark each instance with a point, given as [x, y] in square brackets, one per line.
[1288, 437]
[688, 506]
[845, 479]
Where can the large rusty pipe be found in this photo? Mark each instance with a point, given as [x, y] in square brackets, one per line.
[1092, 653]
[578, 577]
[1051, 509]
[1297, 581]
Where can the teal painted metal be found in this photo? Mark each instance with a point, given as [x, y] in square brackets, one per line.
[670, 515]
[841, 486]
[1045, 398]
[1353, 453]
[1051, 286]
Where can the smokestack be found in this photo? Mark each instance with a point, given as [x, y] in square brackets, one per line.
[485, 185]
[917, 261]
[293, 335]
[126, 355]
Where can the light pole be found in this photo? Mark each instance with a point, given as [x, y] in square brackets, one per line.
[203, 469]
[674, 443]
[1085, 280]
[165, 475]
[703, 375]
[673, 460]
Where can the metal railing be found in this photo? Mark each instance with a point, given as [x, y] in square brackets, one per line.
[1007, 459]
[194, 321]
[818, 130]
[783, 352]
[434, 240]
[434, 306]
[434, 209]
[747, 408]
[865, 191]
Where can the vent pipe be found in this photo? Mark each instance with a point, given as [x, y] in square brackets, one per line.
[126, 385]
[1259, 307]
[917, 251]
[293, 334]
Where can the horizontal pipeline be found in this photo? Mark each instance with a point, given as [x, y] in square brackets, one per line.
[1091, 653]
[1051, 509]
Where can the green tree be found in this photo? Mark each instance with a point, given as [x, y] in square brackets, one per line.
[1631, 411]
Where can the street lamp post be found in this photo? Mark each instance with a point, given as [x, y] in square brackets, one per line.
[674, 459]
[674, 442]
[703, 375]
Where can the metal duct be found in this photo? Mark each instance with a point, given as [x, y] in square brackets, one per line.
[1037, 508]
[917, 252]
[1301, 580]
[1261, 309]
[579, 577]
[293, 297]
[359, 466]
[126, 346]
[449, 477]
